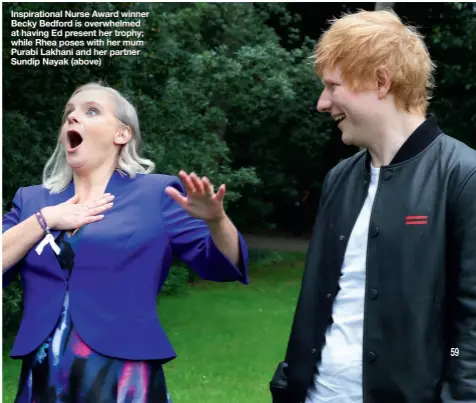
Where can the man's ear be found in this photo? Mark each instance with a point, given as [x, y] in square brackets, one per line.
[384, 81]
[123, 135]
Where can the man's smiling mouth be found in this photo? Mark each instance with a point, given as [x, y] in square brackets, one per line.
[339, 118]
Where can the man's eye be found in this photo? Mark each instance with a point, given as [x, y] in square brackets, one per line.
[92, 110]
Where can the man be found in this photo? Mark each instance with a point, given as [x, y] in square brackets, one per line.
[387, 308]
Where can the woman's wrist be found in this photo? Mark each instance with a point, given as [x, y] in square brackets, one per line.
[48, 216]
[217, 223]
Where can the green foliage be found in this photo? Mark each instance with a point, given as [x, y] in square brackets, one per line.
[453, 45]
[216, 93]
[273, 258]
[12, 307]
[177, 280]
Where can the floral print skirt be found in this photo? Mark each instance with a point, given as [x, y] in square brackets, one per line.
[65, 369]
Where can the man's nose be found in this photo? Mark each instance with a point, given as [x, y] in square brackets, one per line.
[324, 103]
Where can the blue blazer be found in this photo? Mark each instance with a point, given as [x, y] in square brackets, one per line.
[121, 263]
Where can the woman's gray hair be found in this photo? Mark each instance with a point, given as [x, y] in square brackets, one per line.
[57, 174]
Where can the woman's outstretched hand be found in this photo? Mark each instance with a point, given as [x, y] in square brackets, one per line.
[200, 201]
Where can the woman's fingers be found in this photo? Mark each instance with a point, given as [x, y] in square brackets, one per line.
[95, 218]
[176, 195]
[220, 195]
[99, 209]
[93, 211]
[106, 200]
[187, 182]
[197, 183]
[207, 185]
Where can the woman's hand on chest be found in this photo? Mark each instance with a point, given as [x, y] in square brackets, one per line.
[71, 214]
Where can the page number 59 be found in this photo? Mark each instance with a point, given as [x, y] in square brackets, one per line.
[454, 352]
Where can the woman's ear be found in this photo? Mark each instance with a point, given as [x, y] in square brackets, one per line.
[123, 135]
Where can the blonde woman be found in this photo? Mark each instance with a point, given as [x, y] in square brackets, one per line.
[94, 244]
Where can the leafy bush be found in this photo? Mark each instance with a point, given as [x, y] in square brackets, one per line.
[216, 92]
[178, 279]
[12, 307]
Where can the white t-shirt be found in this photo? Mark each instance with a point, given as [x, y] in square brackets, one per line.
[339, 379]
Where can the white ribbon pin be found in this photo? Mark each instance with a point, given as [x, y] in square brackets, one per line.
[48, 239]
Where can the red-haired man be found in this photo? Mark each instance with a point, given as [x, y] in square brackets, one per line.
[387, 308]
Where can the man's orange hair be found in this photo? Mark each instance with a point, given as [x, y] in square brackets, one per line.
[361, 43]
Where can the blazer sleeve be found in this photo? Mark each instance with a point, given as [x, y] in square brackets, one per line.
[459, 382]
[191, 242]
[11, 219]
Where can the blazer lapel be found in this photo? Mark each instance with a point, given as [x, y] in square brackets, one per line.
[116, 183]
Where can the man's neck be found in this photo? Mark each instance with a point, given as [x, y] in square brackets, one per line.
[392, 137]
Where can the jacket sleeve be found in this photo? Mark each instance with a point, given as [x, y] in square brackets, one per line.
[459, 382]
[279, 386]
[192, 243]
[11, 219]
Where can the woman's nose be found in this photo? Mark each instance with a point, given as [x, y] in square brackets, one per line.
[72, 118]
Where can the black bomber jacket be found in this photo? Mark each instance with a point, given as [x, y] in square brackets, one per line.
[419, 341]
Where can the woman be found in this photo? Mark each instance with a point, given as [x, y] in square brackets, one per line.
[94, 245]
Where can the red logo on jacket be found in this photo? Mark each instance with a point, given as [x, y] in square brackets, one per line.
[416, 219]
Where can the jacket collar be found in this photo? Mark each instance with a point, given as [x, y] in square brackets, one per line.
[114, 184]
[420, 139]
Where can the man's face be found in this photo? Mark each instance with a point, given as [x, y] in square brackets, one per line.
[355, 111]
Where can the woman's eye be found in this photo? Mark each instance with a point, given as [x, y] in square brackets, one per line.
[92, 110]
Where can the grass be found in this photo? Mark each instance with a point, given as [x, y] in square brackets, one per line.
[228, 337]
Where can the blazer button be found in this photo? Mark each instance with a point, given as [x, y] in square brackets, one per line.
[374, 230]
[373, 293]
[387, 174]
[328, 295]
[313, 351]
[371, 356]
[341, 237]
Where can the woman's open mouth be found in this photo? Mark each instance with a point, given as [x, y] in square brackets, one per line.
[74, 140]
